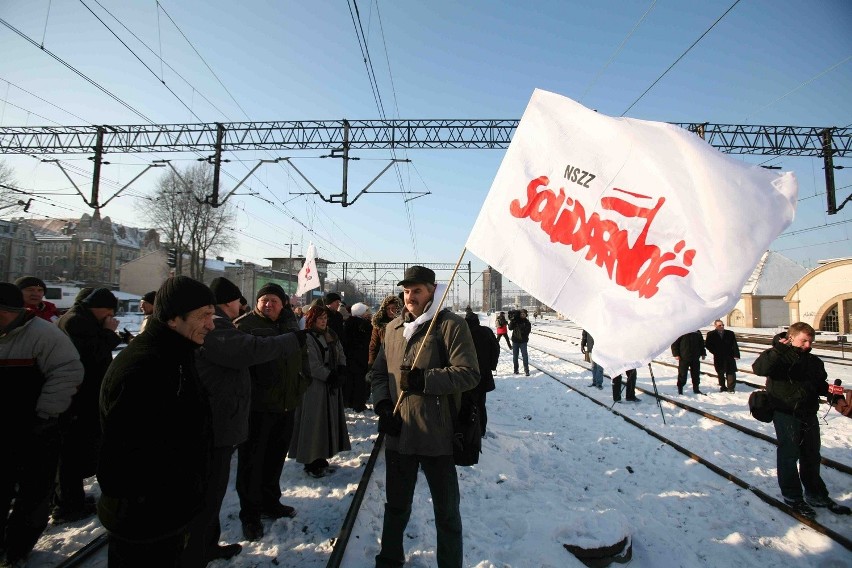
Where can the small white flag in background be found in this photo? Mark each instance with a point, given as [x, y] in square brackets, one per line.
[308, 276]
[638, 231]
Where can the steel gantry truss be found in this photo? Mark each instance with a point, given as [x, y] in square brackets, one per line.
[342, 136]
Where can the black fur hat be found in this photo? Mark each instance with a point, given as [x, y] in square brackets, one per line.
[100, 298]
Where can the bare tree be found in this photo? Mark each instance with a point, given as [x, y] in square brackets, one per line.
[188, 223]
[7, 178]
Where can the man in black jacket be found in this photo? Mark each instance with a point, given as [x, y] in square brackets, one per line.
[91, 326]
[722, 343]
[687, 349]
[223, 367]
[795, 379]
[277, 387]
[487, 355]
[154, 457]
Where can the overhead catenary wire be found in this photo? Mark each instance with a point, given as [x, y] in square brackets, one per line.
[682, 55]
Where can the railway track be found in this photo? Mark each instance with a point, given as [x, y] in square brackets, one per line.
[841, 539]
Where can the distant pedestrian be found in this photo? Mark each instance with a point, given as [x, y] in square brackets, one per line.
[333, 301]
[41, 371]
[146, 306]
[358, 331]
[587, 345]
[502, 328]
[91, 325]
[722, 343]
[153, 463]
[688, 349]
[487, 355]
[521, 329]
[320, 429]
[630, 387]
[33, 290]
[795, 379]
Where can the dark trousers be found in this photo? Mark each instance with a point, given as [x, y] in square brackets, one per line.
[506, 337]
[355, 389]
[204, 529]
[165, 553]
[260, 460]
[798, 444]
[726, 370]
[522, 347]
[400, 479]
[80, 440]
[630, 386]
[694, 368]
[29, 462]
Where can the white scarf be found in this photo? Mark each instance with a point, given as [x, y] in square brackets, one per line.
[412, 327]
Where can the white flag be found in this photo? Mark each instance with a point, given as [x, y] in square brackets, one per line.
[308, 276]
[638, 231]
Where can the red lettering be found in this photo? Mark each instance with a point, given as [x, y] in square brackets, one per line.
[638, 268]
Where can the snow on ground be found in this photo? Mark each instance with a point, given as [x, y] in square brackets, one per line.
[557, 468]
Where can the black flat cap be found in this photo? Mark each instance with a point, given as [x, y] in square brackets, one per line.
[417, 275]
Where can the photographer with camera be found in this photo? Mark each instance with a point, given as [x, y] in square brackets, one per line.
[795, 379]
[521, 328]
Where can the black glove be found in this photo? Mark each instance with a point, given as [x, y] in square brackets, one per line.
[787, 354]
[125, 336]
[302, 336]
[389, 423]
[411, 380]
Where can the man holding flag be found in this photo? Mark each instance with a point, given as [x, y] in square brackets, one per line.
[430, 373]
[636, 218]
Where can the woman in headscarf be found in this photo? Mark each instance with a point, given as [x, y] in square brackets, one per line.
[320, 424]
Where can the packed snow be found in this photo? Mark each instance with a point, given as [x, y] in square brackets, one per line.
[558, 469]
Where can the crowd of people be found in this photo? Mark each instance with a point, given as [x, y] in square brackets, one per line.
[211, 374]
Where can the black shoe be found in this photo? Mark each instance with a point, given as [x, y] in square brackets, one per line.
[633, 399]
[225, 552]
[679, 390]
[591, 385]
[835, 508]
[278, 511]
[801, 508]
[723, 389]
[527, 373]
[696, 391]
[732, 390]
[61, 515]
[253, 530]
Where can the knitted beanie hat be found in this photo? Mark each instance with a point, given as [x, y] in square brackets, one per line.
[180, 295]
[11, 298]
[149, 297]
[27, 281]
[100, 298]
[272, 288]
[224, 290]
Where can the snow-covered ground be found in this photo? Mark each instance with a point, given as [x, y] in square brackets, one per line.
[557, 468]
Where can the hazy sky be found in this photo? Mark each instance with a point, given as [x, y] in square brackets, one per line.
[766, 62]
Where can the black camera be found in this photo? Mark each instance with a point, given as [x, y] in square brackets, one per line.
[514, 314]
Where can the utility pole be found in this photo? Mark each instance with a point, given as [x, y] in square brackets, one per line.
[290, 269]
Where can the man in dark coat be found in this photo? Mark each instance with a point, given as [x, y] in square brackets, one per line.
[722, 343]
[40, 372]
[91, 326]
[687, 349]
[357, 333]
[521, 329]
[223, 367]
[277, 387]
[156, 445]
[487, 355]
[795, 379]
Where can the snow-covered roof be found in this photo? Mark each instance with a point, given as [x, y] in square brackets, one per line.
[773, 275]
